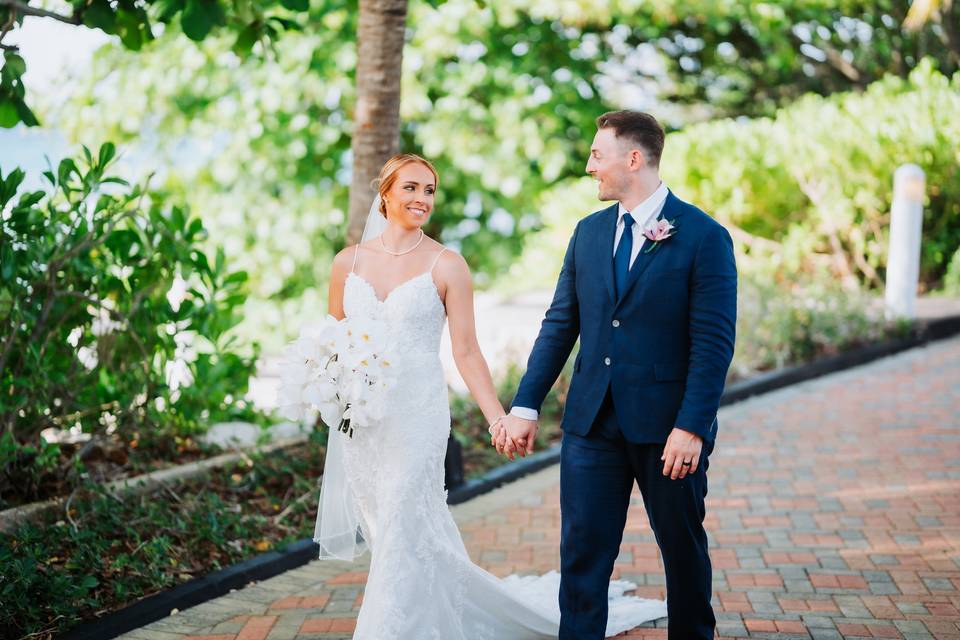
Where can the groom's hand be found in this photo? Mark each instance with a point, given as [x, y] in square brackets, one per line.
[681, 455]
[517, 436]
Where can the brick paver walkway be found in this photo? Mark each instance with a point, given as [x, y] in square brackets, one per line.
[834, 512]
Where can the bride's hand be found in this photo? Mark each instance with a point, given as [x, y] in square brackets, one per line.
[499, 440]
[517, 437]
[496, 431]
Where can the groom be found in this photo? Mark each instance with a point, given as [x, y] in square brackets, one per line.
[649, 286]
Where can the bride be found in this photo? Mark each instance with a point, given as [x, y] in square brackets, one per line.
[383, 488]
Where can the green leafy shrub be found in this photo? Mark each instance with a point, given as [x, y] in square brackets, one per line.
[818, 177]
[787, 323]
[110, 310]
[951, 281]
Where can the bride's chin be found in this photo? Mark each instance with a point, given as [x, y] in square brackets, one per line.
[413, 225]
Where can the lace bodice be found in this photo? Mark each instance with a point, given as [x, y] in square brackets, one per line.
[413, 312]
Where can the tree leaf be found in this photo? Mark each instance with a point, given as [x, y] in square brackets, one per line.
[65, 169]
[24, 112]
[196, 226]
[176, 216]
[9, 185]
[7, 261]
[99, 15]
[295, 5]
[14, 64]
[107, 152]
[236, 276]
[246, 39]
[166, 9]
[9, 117]
[131, 28]
[200, 17]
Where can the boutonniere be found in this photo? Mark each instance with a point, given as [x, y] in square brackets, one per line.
[658, 231]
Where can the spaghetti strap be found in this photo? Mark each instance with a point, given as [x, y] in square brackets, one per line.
[437, 259]
[355, 254]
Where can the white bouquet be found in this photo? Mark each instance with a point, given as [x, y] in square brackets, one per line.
[340, 368]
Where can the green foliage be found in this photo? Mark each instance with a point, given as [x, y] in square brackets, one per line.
[733, 57]
[103, 552]
[26, 466]
[13, 109]
[502, 96]
[95, 336]
[781, 323]
[811, 188]
[951, 281]
[134, 23]
[711, 57]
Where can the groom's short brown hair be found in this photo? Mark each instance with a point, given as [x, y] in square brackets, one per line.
[637, 127]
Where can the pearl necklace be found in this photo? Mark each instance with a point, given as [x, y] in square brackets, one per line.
[400, 253]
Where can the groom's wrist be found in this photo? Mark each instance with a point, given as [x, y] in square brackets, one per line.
[525, 413]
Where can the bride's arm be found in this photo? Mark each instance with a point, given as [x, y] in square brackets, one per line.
[338, 276]
[463, 335]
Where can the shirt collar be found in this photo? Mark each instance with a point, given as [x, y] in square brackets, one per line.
[644, 211]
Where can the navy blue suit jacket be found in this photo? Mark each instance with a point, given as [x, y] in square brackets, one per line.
[664, 346]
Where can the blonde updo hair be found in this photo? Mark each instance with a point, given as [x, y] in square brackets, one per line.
[388, 175]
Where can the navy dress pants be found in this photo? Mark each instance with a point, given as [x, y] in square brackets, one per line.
[597, 473]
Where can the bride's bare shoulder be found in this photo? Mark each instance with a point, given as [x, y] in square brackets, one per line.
[450, 262]
[344, 259]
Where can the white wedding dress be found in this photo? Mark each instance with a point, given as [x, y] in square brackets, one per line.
[422, 584]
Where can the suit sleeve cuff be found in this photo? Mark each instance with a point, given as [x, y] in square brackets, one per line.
[525, 413]
[707, 431]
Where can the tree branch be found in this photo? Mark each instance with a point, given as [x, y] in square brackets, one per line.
[836, 60]
[11, 20]
[27, 10]
[751, 240]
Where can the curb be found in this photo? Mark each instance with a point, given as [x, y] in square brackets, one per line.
[299, 553]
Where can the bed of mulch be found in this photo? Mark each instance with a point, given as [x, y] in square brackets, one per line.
[103, 458]
[100, 552]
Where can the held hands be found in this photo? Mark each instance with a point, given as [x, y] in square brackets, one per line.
[681, 454]
[514, 436]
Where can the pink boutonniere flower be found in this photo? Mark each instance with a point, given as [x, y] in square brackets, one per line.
[658, 231]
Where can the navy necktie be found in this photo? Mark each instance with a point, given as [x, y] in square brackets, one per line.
[621, 259]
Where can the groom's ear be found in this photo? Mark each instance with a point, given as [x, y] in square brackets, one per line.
[637, 159]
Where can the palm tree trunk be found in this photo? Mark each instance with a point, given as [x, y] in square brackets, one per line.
[376, 122]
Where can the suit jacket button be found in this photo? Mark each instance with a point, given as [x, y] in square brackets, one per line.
[606, 361]
[616, 323]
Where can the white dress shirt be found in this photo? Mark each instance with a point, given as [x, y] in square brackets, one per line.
[643, 214]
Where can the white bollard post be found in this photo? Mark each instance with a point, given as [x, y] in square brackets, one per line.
[906, 225]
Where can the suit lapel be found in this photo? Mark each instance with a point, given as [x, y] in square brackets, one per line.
[671, 211]
[608, 231]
